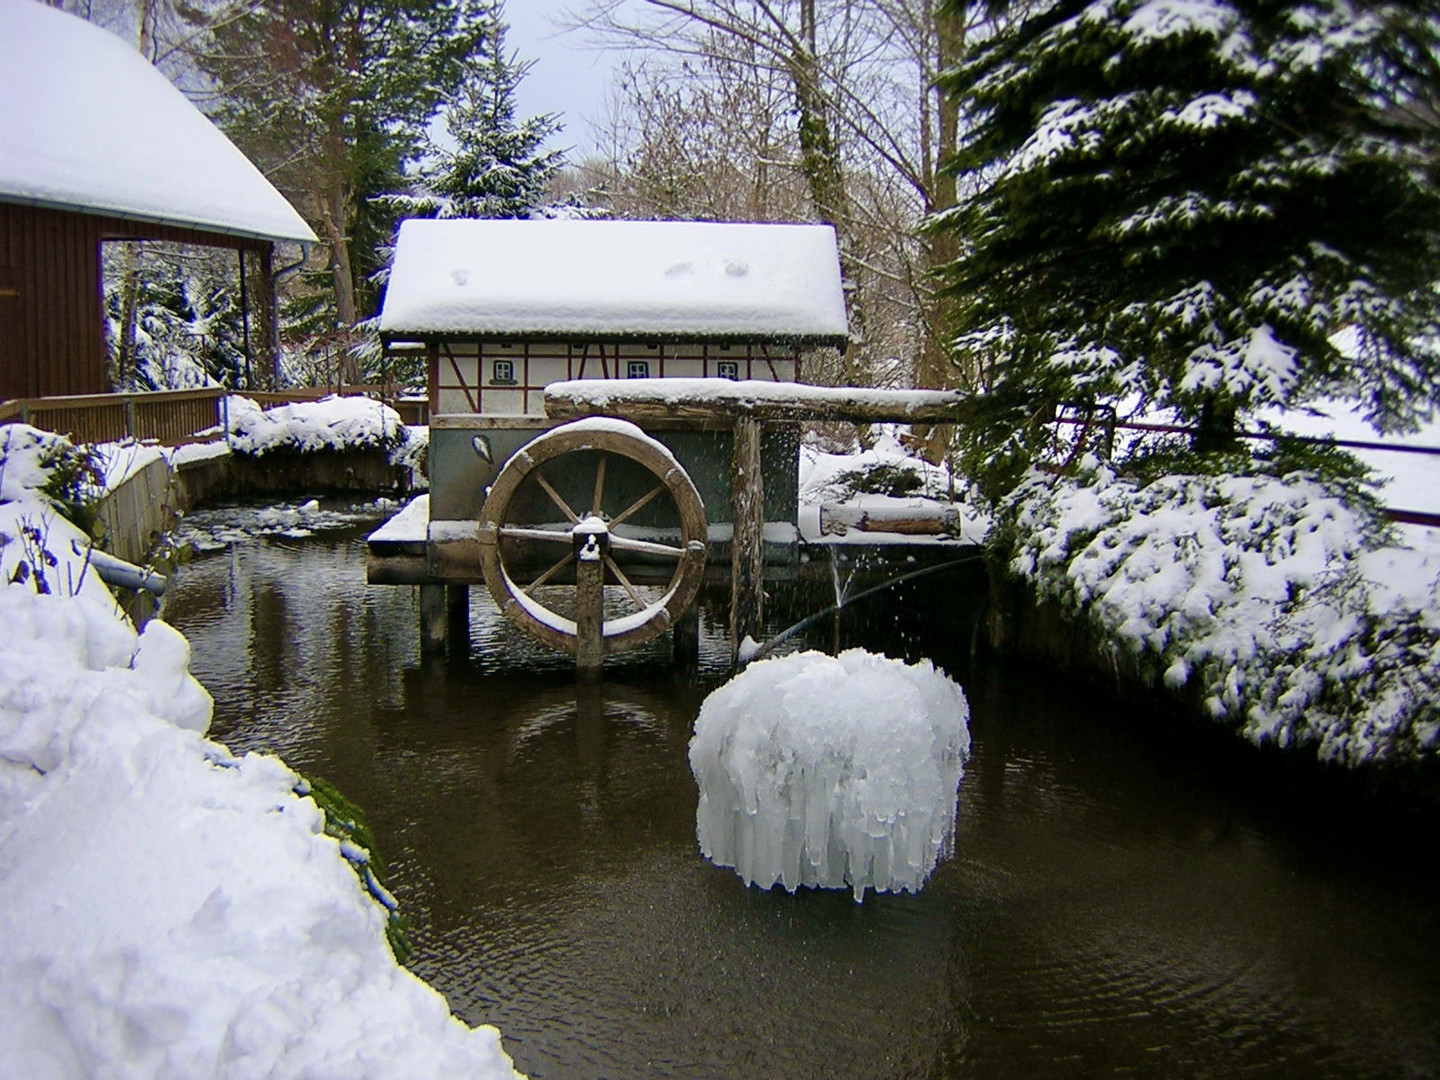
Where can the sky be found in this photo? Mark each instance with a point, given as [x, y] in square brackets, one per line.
[569, 76]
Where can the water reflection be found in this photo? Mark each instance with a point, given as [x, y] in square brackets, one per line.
[1117, 904]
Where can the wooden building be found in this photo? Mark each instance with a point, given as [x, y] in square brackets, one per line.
[504, 308]
[97, 145]
[501, 309]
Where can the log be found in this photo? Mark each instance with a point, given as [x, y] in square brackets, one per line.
[651, 400]
[838, 519]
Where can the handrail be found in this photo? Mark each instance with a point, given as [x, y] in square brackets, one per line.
[173, 417]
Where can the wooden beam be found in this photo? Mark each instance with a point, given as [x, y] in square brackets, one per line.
[649, 400]
[747, 545]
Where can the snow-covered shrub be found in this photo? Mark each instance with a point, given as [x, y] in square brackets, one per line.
[332, 423]
[35, 463]
[886, 468]
[1266, 595]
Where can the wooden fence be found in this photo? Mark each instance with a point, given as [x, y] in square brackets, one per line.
[172, 417]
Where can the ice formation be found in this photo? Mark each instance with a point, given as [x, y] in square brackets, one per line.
[831, 771]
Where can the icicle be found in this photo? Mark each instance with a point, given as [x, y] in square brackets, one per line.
[831, 771]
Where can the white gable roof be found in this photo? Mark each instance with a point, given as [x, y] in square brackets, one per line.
[89, 124]
[615, 278]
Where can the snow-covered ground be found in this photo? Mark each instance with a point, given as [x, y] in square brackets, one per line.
[168, 909]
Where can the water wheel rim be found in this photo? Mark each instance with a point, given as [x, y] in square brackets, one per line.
[619, 634]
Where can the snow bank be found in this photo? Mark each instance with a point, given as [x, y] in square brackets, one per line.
[1409, 480]
[30, 460]
[1270, 598]
[168, 909]
[831, 771]
[332, 423]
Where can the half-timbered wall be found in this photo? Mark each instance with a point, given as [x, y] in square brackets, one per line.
[509, 378]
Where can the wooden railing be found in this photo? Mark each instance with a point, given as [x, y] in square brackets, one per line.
[172, 417]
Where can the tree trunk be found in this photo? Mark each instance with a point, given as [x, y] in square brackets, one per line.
[934, 366]
[1215, 431]
[820, 164]
[129, 316]
[333, 220]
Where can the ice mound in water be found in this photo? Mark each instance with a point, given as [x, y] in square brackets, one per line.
[831, 771]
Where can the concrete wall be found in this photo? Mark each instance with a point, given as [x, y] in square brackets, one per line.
[133, 516]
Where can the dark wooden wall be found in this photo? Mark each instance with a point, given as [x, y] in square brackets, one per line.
[52, 327]
[51, 334]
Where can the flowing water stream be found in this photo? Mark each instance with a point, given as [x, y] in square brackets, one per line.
[1121, 902]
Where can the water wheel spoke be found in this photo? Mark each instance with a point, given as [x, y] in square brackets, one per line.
[635, 597]
[529, 590]
[521, 532]
[638, 505]
[573, 517]
[596, 502]
[563, 460]
[648, 547]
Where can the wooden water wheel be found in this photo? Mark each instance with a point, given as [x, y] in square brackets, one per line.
[584, 539]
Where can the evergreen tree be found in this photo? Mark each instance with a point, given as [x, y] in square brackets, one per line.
[333, 99]
[498, 168]
[187, 326]
[1179, 204]
[491, 166]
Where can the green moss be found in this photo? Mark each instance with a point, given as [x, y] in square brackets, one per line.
[346, 822]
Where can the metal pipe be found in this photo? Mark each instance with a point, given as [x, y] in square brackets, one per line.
[124, 575]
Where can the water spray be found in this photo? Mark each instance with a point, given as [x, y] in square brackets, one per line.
[759, 651]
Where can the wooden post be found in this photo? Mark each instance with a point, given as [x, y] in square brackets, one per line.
[432, 620]
[457, 617]
[685, 638]
[589, 608]
[747, 543]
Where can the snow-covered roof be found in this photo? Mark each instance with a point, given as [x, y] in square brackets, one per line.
[637, 279]
[91, 125]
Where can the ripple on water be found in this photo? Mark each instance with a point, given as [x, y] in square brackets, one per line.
[1111, 908]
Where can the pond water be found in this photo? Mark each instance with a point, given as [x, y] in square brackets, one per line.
[1123, 901]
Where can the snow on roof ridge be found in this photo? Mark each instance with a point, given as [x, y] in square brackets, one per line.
[672, 279]
[74, 94]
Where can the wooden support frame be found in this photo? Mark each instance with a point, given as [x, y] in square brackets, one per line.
[747, 551]
[747, 409]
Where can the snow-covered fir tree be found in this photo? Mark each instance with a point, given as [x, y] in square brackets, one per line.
[493, 166]
[189, 328]
[1180, 203]
[334, 100]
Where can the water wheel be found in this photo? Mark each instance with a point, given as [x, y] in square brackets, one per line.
[581, 532]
